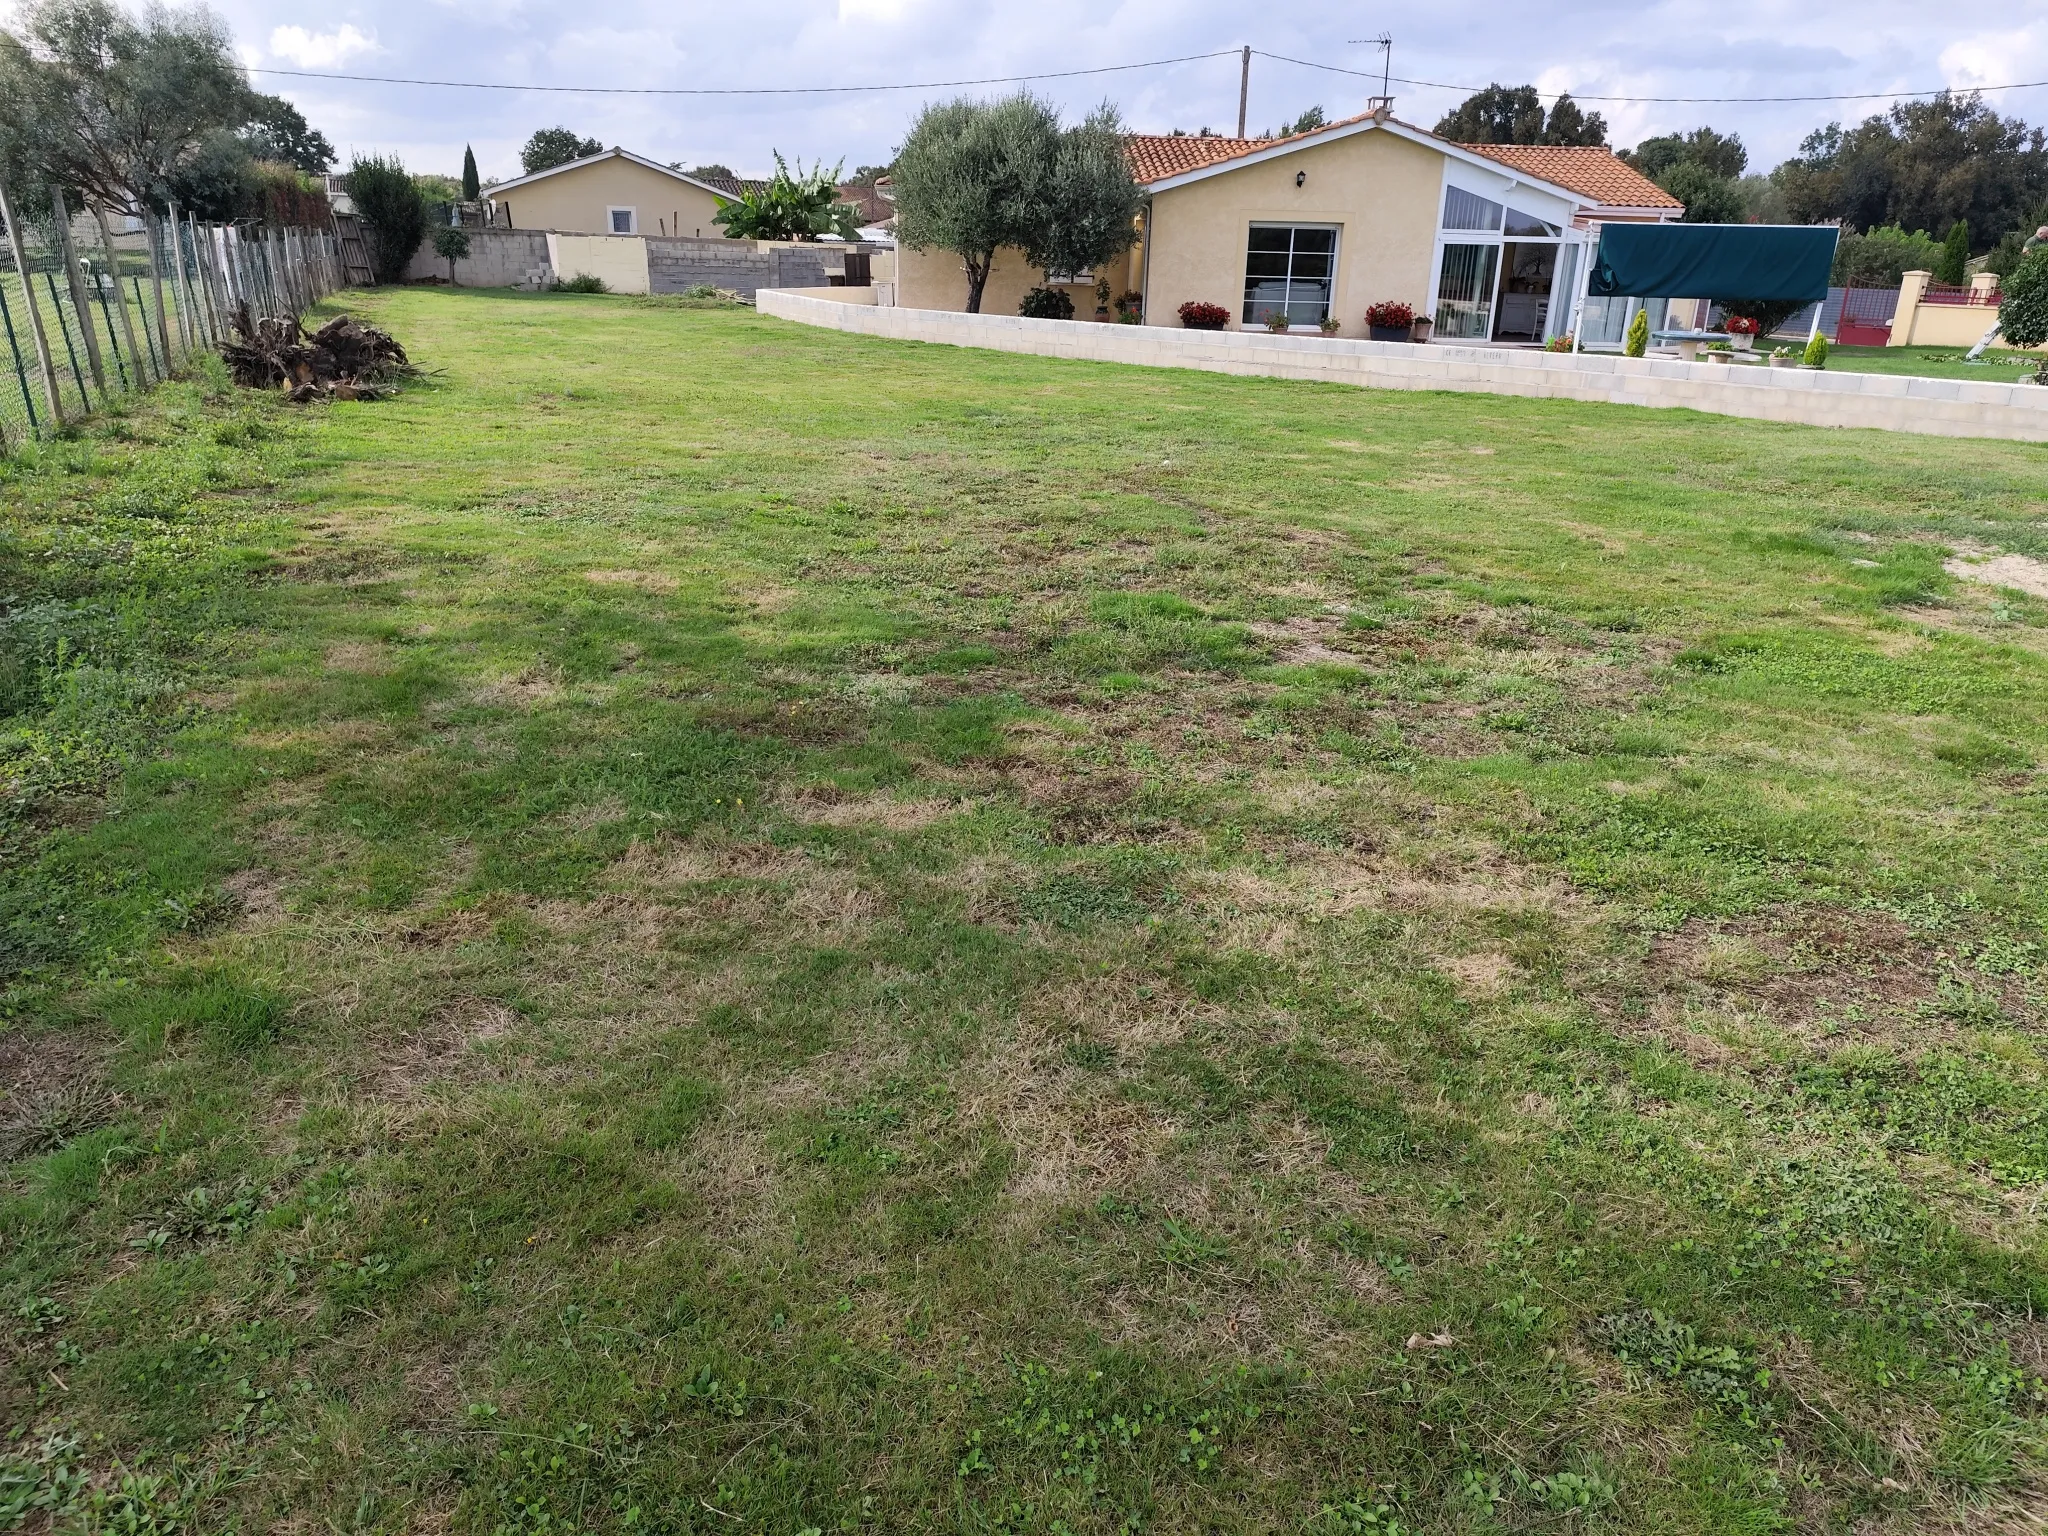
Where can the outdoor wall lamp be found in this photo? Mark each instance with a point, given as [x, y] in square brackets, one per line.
[1300, 178]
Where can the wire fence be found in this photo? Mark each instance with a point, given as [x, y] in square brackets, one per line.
[96, 305]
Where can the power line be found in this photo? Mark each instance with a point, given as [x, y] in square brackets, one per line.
[766, 90]
[1103, 69]
[2018, 85]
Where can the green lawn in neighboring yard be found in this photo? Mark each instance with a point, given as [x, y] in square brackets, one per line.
[2000, 365]
[704, 926]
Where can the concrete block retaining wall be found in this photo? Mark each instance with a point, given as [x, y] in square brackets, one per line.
[1936, 407]
[498, 258]
[675, 265]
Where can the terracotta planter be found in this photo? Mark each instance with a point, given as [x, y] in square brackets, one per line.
[1391, 332]
[1421, 330]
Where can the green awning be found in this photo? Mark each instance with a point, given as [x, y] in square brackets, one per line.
[1714, 261]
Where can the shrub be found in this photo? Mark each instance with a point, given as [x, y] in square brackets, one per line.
[1130, 302]
[582, 282]
[393, 209]
[1741, 325]
[1277, 321]
[1760, 316]
[1391, 315]
[1638, 341]
[1047, 304]
[1817, 351]
[2023, 301]
[1329, 325]
[1199, 315]
[1559, 343]
[451, 245]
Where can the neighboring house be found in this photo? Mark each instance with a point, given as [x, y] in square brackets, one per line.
[613, 193]
[1485, 240]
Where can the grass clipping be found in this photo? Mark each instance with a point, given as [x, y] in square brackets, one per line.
[343, 360]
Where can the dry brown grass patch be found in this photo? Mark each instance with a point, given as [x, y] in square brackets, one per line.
[646, 581]
[825, 806]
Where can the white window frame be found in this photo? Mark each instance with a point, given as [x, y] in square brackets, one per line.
[632, 221]
[1336, 257]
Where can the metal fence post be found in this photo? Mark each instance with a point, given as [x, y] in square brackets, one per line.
[120, 296]
[77, 285]
[35, 317]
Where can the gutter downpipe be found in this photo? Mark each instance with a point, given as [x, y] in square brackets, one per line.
[1145, 268]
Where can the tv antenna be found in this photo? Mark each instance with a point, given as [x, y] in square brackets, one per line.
[1385, 43]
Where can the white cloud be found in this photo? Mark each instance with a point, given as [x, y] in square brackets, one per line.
[320, 50]
[1996, 58]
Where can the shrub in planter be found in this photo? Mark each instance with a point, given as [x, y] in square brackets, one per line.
[1277, 322]
[1329, 325]
[1637, 342]
[1559, 343]
[1817, 351]
[1199, 315]
[1047, 304]
[1129, 304]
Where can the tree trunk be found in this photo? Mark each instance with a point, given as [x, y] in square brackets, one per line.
[977, 279]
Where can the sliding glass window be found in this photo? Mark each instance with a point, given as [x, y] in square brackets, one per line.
[1290, 269]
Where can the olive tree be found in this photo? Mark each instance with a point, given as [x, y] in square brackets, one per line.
[974, 177]
[92, 98]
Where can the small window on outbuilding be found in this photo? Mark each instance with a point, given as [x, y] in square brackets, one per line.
[624, 221]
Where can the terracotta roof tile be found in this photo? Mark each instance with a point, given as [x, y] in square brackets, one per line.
[1592, 172]
[1156, 156]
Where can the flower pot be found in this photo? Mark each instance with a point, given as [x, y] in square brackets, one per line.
[1741, 341]
[1421, 330]
[1101, 314]
[1391, 332]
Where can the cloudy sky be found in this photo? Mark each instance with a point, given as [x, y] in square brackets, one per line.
[1592, 47]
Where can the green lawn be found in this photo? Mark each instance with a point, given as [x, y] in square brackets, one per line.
[704, 926]
[1999, 365]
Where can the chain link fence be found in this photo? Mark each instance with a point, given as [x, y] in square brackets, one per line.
[95, 305]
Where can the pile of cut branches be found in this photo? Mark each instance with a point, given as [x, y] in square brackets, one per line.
[343, 360]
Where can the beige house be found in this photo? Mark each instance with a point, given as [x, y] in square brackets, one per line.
[614, 193]
[1485, 241]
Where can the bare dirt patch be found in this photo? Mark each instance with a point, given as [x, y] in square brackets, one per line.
[2021, 572]
[1304, 642]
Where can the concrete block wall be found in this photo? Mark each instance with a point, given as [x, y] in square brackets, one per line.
[1892, 402]
[676, 264]
[498, 258]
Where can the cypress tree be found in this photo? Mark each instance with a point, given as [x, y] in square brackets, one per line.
[472, 189]
[1955, 254]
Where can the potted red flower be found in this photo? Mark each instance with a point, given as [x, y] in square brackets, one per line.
[1390, 320]
[1199, 315]
[1742, 331]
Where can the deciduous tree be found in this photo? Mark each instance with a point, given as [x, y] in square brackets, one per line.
[551, 147]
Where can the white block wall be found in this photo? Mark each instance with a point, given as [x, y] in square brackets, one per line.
[1892, 402]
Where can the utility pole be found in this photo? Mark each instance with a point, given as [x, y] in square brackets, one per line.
[1244, 87]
